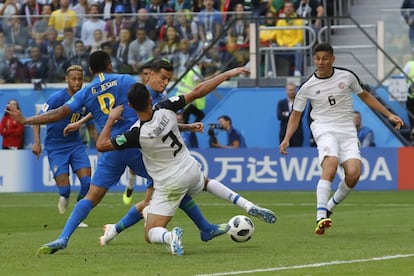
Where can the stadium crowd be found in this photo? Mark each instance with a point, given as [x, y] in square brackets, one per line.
[40, 39]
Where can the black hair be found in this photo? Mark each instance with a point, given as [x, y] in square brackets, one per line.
[323, 47]
[99, 61]
[226, 118]
[161, 63]
[138, 96]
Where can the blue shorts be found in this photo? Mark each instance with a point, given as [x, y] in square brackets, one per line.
[61, 158]
[112, 164]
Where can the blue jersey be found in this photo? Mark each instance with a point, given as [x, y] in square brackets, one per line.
[103, 93]
[55, 138]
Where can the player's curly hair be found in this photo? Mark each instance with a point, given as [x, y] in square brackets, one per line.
[99, 61]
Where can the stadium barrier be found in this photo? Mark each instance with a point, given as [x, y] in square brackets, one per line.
[240, 169]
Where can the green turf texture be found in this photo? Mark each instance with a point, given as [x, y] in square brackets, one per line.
[372, 234]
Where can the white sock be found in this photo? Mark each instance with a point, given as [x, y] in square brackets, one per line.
[159, 235]
[323, 191]
[132, 178]
[341, 193]
[221, 191]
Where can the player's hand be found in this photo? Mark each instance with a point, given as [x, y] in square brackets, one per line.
[37, 150]
[238, 71]
[116, 113]
[197, 127]
[396, 120]
[70, 128]
[15, 113]
[283, 146]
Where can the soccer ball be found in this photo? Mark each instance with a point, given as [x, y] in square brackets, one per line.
[241, 228]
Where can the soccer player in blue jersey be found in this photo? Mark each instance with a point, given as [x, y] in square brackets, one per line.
[65, 151]
[105, 91]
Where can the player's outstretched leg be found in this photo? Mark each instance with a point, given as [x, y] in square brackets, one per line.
[220, 190]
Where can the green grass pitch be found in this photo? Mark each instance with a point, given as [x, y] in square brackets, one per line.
[372, 234]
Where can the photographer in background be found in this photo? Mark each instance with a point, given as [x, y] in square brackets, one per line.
[11, 130]
[234, 137]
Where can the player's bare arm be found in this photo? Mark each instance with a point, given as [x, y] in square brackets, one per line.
[104, 140]
[51, 116]
[372, 102]
[37, 147]
[207, 86]
[293, 124]
[76, 125]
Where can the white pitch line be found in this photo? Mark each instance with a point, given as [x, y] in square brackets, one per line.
[399, 256]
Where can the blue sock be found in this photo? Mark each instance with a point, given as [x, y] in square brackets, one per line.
[132, 217]
[64, 191]
[84, 182]
[192, 210]
[79, 213]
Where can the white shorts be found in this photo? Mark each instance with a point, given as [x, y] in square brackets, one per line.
[167, 197]
[343, 144]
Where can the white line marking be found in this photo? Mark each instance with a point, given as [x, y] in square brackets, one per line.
[399, 256]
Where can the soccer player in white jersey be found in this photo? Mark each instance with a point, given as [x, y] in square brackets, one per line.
[175, 172]
[329, 91]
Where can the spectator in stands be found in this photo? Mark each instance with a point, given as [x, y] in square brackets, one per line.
[238, 37]
[209, 23]
[114, 25]
[98, 39]
[116, 63]
[81, 9]
[234, 138]
[69, 42]
[146, 22]
[267, 38]
[58, 63]
[230, 6]
[2, 47]
[169, 20]
[121, 50]
[11, 69]
[30, 11]
[81, 58]
[170, 45]
[189, 30]
[16, 35]
[48, 45]
[63, 18]
[291, 38]
[55, 4]
[36, 69]
[140, 50]
[93, 23]
[11, 130]
[180, 5]
[407, 11]
[155, 7]
[7, 9]
[182, 58]
[284, 108]
[365, 134]
[311, 8]
[41, 26]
